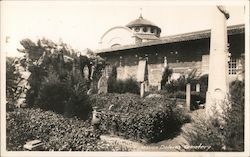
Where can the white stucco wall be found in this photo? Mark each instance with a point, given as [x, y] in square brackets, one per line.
[116, 36]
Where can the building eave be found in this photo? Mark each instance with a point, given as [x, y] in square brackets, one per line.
[234, 29]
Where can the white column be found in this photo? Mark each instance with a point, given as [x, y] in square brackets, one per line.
[218, 62]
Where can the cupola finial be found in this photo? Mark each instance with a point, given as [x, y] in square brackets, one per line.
[140, 13]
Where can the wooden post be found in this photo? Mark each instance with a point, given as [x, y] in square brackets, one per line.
[188, 96]
[142, 91]
[159, 86]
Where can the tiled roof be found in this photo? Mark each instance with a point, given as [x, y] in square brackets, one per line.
[235, 29]
[139, 22]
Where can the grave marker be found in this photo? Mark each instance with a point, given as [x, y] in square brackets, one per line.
[197, 88]
[142, 72]
[142, 75]
[103, 85]
[86, 72]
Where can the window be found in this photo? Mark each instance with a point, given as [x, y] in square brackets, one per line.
[145, 29]
[152, 30]
[137, 29]
[232, 66]
[138, 40]
[120, 62]
[115, 45]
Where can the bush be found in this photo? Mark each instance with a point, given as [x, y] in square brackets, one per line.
[66, 97]
[55, 131]
[131, 86]
[223, 132]
[234, 131]
[125, 86]
[53, 96]
[196, 99]
[167, 73]
[145, 120]
[112, 79]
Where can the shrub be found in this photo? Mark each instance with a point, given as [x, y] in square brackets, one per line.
[53, 96]
[67, 97]
[203, 81]
[128, 85]
[78, 103]
[55, 131]
[205, 131]
[146, 120]
[224, 132]
[166, 75]
[131, 86]
[112, 79]
[196, 99]
[234, 131]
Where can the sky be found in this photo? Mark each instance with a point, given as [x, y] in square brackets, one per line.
[82, 23]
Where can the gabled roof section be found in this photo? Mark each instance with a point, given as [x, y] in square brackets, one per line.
[147, 36]
[234, 29]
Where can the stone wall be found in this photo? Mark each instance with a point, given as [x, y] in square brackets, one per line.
[155, 71]
[124, 72]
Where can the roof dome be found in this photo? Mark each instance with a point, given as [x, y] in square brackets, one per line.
[141, 22]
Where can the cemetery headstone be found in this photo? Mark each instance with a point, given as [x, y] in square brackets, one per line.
[86, 72]
[103, 85]
[197, 88]
[142, 75]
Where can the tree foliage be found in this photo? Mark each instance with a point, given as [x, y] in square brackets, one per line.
[56, 81]
[12, 78]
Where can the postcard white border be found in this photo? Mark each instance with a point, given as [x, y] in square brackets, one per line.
[144, 154]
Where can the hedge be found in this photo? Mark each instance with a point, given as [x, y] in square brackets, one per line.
[55, 131]
[145, 120]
